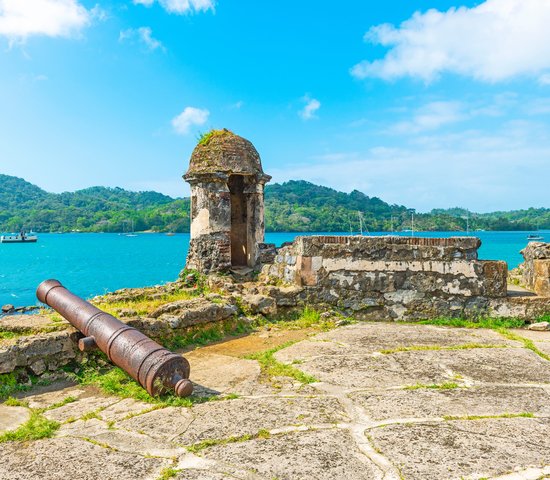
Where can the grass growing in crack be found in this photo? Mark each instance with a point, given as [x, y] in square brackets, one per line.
[484, 417]
[491, 323]
[65, 401]
[168, 472]
[501, 325]
[197, 447]
[413, 348]
[526, 342]
[434, 386]
[99, 444]
[16, 402]
[35, 428]
[92, 414]
[273, 368]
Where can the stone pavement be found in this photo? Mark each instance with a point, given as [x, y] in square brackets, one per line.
[392, 401]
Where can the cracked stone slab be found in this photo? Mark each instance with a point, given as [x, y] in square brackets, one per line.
[82, 428]
[544, 347]
[496, 365]
[67, 458]
[195, 474]
[233, 418]
[163, 424]
[133, 442]
[459, 449]
[124, 408]
[192, 467]
[319, 455]
[425, 403]
[367, 371]
[226, 374]
[492, 365]
[12, 417]
[79, 408]
[533, 335]
[119, 439]
[373, 337]
[47, 399]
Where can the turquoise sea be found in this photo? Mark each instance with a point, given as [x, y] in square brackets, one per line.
[94, 263]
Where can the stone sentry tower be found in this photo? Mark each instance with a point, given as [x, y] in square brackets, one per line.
[227, 203]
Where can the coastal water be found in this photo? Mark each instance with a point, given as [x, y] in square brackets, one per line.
[93, 263]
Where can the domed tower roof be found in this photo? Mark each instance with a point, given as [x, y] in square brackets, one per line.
[221, 151]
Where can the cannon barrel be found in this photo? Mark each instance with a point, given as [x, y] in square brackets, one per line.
[153, 366]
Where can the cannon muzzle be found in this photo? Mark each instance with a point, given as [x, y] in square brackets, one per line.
[153, 366]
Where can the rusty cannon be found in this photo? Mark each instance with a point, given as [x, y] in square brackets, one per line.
[153, 366]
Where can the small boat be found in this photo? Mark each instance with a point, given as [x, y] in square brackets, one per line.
[534, 237]
[20, 237]
[170, 234]
[132, 233]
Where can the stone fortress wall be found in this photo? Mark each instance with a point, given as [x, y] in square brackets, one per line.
[536, 268]
[403, 278]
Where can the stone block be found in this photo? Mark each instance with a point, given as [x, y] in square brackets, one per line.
[541, 280]
[260, 304]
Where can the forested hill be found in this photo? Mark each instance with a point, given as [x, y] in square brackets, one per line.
[291, 206]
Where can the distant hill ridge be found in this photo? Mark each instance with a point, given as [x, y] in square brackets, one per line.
[291, 206]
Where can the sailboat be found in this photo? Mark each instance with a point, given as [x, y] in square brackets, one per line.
[132, 234]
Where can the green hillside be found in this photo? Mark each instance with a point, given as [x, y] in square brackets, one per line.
[291, 206]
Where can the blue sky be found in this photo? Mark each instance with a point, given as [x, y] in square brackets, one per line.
[426, 103]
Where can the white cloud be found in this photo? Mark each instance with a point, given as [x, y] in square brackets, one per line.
[310, 108]
[20, 19]
[494, 41]
[144, 35]
[189, 117]
[544, 79]
[431, 117]
[180, 7]
[505, 170]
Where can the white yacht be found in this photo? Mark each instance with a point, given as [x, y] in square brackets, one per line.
[20, 237]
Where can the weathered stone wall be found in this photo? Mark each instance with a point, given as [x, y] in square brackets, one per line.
[536, 267]
[210, 246]
[392, 277]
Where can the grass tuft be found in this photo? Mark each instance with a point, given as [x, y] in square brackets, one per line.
[168, 472]
[492, 323]
[484, 417]
[197, 447]
[273, 368]
[65, 401]
[526, 342]
[16, 402]
[35, 428]
[435, 386]
[413, 348]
